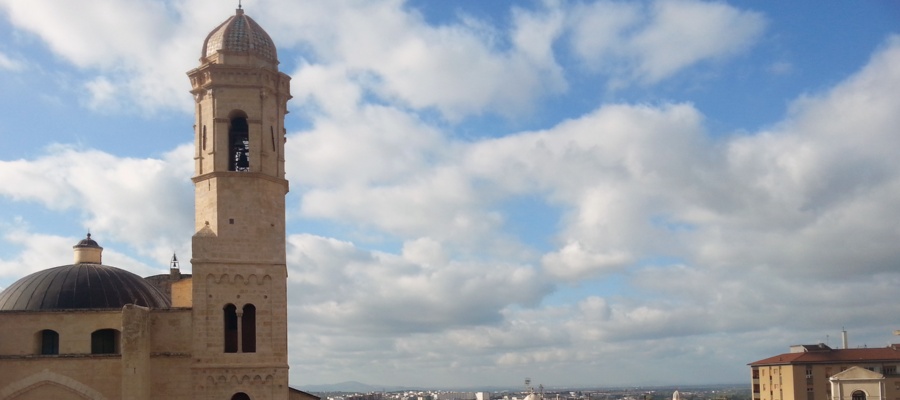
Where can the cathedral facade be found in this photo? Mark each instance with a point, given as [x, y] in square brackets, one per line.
[93, 331]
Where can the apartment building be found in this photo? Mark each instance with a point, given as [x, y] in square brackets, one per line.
[818, 372]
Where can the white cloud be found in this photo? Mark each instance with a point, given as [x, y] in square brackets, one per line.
[336, 284]
[573, 262]
[103, 94]
[370, 145]
[389, 51]
[141, 55]
[646, 43]
[683, 32]
[598, 30]
[38, 252]
[533, 36]
[815, 189]
[613, 172]
[395, 174]
[745, 217]
[134, 200]
[41, 251]
[781, 68]
[10, 64]
[441, 205]
[87, 41]
[333, 89]
[805, 201]
[425, 252]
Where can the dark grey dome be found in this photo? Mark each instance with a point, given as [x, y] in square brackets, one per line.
[88, 242]
[80, 286]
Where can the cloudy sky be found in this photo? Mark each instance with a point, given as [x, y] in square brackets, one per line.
[582, 192]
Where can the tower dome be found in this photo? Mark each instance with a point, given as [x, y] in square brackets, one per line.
[239, 35]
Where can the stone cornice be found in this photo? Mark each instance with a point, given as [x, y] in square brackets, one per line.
[240, 175]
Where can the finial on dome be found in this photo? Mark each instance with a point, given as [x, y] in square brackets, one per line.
[240, 9]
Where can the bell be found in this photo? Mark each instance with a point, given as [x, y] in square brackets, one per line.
[242, 162]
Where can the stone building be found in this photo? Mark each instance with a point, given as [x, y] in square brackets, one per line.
[92, 331]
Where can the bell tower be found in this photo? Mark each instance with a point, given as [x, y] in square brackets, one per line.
[239, 289]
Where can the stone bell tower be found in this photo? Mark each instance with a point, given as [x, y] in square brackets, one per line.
[239, 269]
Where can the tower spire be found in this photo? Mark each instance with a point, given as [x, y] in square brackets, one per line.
[174, 270]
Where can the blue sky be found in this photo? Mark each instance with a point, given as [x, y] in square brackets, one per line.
[585, 193]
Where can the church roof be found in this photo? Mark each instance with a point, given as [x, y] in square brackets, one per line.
[240, 34]
[80, 286]
[871, 354]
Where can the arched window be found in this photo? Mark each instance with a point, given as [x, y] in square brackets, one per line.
[239, 144]
[248, 329]
[105, 341]
[240, 396]
[49, 342]
[231, 328]
[859, 395]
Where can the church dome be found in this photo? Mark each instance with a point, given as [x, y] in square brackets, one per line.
[88, 242]
[240, 34]
[83, 285]
[80, 286]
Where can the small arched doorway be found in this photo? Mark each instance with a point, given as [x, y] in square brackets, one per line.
[859, 395]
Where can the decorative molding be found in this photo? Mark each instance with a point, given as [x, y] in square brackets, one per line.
[242, 380]
[46, 377]
[238, 278]
[239, 174]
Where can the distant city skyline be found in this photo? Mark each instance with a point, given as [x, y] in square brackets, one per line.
[360, 387]
[732, 392]
[590, 193]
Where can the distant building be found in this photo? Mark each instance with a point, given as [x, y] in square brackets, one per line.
[367, 396]
[818, 372]
[462, 396]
